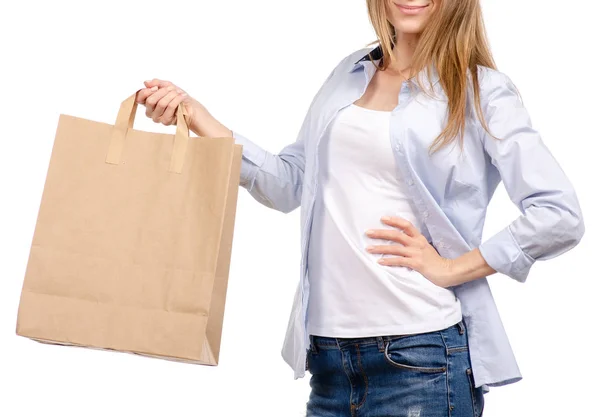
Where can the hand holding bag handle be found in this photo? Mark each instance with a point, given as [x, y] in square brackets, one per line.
[124, 122]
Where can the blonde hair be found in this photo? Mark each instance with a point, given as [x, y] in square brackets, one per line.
[454, 41]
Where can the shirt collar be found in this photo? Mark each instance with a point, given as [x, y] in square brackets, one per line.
[376, 54]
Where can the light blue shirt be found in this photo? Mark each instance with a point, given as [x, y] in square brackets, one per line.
[451, 192]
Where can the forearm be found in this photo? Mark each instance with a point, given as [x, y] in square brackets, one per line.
[469, 267]
[204, 124]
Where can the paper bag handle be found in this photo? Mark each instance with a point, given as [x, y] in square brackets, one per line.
[124, 122]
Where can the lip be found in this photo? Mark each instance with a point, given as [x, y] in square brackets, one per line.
[411, 10]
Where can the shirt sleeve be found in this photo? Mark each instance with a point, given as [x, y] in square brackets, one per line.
[551, 221]
[276, 180]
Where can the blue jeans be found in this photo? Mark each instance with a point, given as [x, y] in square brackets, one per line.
[418, 375]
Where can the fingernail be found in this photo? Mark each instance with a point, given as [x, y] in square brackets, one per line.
[154, 88]
[381, 261]
[370, 248]
[386, 218]
[370, 232]
[183, 95]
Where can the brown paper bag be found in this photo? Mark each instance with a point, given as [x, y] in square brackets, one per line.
[133, 240]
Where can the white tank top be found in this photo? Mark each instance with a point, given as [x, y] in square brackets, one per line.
[351, 295]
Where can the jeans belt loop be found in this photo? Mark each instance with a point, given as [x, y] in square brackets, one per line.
[380, 344]
[313, 348]
[461, 328]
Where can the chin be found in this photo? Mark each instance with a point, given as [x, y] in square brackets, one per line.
[409, 29]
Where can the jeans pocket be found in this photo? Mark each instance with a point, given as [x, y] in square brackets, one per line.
[417, 353]
[476, 395]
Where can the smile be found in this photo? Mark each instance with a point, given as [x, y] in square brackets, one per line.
[411, 10]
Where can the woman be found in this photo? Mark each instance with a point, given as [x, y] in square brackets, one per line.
[397, 159]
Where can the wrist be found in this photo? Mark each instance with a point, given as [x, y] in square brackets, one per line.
[204, 124]
[452, 271]
[468, 267]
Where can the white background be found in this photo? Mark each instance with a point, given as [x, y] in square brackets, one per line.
[256, 65]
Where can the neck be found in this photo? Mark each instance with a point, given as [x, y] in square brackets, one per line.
[403, 51]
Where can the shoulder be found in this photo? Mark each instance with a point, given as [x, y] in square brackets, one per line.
[348, 60]
[494, 83]
[358, 54]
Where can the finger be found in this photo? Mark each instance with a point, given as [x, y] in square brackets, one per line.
[157, 83]
[397, 250]
[393, 235]
[168, 117]
[402, 224]
[144, 93]
[153, 100]
[161, 106]
[397, 261]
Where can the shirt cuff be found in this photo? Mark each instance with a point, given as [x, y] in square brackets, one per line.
[503, 253]
[253, 157]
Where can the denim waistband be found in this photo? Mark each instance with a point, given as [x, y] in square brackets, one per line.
[456, 330]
